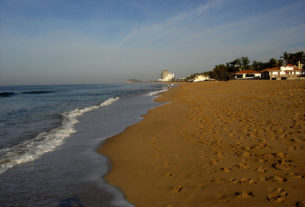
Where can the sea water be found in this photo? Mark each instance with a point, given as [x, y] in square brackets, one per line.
[49, 136]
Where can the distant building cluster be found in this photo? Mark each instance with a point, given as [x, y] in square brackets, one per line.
[199, 78]
[287, 72]
[166, 76]
[277, 73]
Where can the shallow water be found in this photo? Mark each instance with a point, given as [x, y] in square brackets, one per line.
[72, 173]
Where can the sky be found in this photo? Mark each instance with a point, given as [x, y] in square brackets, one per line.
[111, 41]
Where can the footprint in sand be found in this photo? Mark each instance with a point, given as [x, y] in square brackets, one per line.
[241, 165]
[282, 164]
[277, 196]
[261, 170]
[169, 174]
[218, 180]
[242, 181]
[297, 175]
[300, 204]
[276, 179]
[213, 162]
[178, 188]
[220, 155]
[243, 194]
[225, 170]
[244, 154]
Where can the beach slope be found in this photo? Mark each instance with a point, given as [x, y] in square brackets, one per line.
[233, 143]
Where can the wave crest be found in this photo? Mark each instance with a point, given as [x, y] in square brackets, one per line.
[7, 94]
[157, 93]
[37, 92]
[45, 141]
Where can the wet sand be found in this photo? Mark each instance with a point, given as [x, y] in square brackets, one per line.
[236, 143]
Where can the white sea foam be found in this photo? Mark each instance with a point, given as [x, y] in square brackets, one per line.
[156, 93]
[46, 141]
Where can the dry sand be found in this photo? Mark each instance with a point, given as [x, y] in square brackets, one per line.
[236, 143]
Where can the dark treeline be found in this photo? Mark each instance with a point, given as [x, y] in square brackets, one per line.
[227, 71]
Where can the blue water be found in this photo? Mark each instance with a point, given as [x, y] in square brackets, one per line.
[44, 129]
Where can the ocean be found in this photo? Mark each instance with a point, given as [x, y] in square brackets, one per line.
[49, 136]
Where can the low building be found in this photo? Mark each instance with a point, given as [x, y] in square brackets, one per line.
[166, 76]
[199, 78]
[282, 73]
[248, 74]
[268, 73]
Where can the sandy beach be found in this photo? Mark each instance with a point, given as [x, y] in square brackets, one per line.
[235, 143]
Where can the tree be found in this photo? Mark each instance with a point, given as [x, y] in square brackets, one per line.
[245, 63]
[286, 57]
[256, 65]
[236, 64]
[299, 57]
[272, 63]
[191, 77]
[220, 73]
[232, 67]
[280, 63]
[294, 58]
[227, 71]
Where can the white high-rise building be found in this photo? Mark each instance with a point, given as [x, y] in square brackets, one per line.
[166, 76]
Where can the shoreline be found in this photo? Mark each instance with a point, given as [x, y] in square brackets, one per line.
[74, 168]
[216, 143]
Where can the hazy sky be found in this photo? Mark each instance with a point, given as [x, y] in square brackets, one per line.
[102, 41]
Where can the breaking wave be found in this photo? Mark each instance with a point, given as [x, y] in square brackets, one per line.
[157, 93]
[45, 141]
